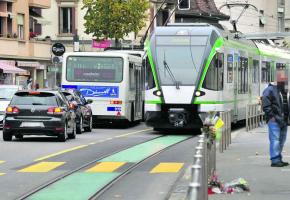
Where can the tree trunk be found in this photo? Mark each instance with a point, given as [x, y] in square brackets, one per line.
[117, 42]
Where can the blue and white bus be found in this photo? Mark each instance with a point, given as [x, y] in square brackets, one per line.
[113, 80]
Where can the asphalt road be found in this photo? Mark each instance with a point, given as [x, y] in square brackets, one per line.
[21, 161]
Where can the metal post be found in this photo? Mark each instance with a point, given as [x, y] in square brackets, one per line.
[55, 67]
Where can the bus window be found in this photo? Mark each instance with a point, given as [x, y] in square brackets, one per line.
[214, 76]
[132, 76]
[94, 69]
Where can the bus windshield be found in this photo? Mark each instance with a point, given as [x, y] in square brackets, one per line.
[179, 58]
[94, 69]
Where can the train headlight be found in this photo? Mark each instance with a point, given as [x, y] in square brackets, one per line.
[199, 93]
[158, 93]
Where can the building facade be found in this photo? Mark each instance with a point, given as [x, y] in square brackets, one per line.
[264, 19]
[24, 51]
[67, 21]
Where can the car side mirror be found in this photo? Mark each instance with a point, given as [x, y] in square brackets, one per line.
[89, 101]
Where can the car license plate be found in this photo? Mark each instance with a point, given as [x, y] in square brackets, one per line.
[31, 124]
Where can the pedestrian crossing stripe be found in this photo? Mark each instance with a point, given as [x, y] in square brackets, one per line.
[1, 174]
[2, 161]
[42, 167]
[106, 167]
[167, 168]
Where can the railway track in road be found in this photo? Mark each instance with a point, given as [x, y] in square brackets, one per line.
[93, 178]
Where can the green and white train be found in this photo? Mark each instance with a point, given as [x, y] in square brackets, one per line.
[195, 68]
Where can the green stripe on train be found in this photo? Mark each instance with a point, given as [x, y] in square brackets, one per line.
[149, 53]
[218, 44]
[153, 102]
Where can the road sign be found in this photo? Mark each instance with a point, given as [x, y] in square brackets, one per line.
[58, 49]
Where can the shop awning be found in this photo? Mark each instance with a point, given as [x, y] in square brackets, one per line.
[41, 20]
[10, 69]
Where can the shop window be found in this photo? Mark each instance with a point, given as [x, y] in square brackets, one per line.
[214, 76]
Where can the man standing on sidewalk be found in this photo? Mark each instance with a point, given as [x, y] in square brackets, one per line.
[276, 107]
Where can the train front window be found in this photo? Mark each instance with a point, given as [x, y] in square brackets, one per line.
[179, 58]
[94, 69]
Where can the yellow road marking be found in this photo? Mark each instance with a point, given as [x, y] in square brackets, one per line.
[106, 167]
[1, 174]
[132, 133]
[167, 168]
[42, 167]
[2, 161]
[61, 152]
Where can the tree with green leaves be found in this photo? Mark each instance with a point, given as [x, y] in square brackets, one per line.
[114, 18]
[286, 43]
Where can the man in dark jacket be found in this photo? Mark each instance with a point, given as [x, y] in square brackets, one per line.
[276, 107]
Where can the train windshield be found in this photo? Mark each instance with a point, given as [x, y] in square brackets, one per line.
[94, 69]
[179, 58]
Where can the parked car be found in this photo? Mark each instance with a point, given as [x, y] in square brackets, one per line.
[84, 119]
[6, 94]
[41, 112]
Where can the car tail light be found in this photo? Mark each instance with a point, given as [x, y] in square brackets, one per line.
[55, 111]
[116, 102]
[12, 110]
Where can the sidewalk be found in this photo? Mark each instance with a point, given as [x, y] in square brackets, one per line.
[248, 158]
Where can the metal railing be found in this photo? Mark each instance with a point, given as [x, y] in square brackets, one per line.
[204, 164]
[254, 116]
[226, 138]
[199, 173]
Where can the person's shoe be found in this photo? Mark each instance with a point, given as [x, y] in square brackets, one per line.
[279, 164]
[285, 163]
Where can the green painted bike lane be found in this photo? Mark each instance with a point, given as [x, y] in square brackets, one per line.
[83, 185]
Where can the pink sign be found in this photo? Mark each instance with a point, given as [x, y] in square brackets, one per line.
[101, 44]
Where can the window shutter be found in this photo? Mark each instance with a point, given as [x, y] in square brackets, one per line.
[73, 20]
[59, 28]
[20, 19]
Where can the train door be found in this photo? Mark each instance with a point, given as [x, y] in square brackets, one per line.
[138, 92]
[236, 81]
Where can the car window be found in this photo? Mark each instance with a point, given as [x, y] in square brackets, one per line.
[63, 101]
[7, 93]
[68, 96]
[82, 98]
[34, 98]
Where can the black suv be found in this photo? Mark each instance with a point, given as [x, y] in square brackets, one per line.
[41, 112]
[84, 119]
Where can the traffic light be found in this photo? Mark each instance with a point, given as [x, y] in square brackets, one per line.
[183, 4]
